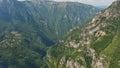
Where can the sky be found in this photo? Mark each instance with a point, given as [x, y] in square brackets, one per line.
[91, 2]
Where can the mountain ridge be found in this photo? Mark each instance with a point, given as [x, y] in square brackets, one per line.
[28, 29]
[95, 45]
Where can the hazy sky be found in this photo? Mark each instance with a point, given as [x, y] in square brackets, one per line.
[93, 2]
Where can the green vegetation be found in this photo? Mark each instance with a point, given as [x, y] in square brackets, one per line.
[88, 60]
[29, 35]
[20, 57]
[57, 51]
[28, 29]
[101, 44]
[112, 51]
[103, 50]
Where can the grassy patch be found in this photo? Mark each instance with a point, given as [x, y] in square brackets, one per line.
[88, 60]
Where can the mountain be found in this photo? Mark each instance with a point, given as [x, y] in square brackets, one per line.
[63, 14]
[94, 45]
[102, 7]
[45, 17]
[29, 28]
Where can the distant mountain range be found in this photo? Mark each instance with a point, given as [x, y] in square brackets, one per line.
[102, 7]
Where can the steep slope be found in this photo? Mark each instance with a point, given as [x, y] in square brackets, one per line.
[61, 14]
[95, 45]
[36, 21]
[28, 28]
[47, 16]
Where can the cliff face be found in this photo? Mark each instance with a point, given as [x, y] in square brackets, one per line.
[95, 45]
